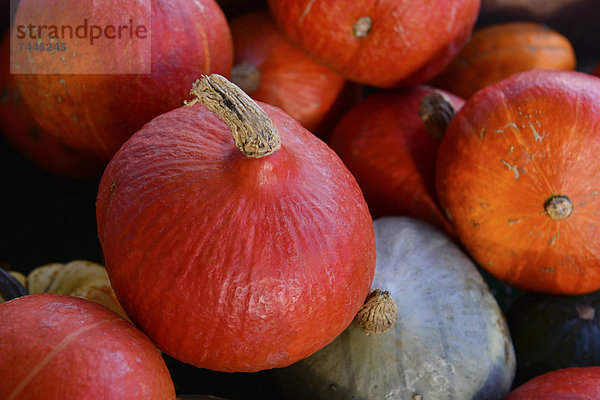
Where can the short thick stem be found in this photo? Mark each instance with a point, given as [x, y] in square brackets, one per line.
[253, 131]
[379, 312]
[558, 207]
[436, 111]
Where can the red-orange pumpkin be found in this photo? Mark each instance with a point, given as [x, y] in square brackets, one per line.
[234, 260]
[518, 174]
[57, 347]
[273, 71]
[577, 383]
[96, 113]
[499, 51]
[26, 136]
[380, 43]
[384, 143]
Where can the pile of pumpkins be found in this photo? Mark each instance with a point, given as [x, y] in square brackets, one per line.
[337, 194]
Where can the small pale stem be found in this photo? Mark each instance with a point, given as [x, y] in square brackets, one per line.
[362, 27]
[253, 131]
[436, 111]
[379, 312]
[585, 311]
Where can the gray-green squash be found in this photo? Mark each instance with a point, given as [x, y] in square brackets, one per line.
[450, 340]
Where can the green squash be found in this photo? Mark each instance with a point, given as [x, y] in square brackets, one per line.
[450, 340]
[553, 332]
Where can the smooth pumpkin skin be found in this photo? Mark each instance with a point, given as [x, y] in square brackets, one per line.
[409, 42]
[25, 135]
[289, 79]
[496, 52]
[57, 347]
[383, 142]
[232, 263]
[577, 383]
[551, 332]
[511, 147]
[96, 113]
[450, 340]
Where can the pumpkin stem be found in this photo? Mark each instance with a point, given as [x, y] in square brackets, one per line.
[585, 311]
[558, 207]
[436, 111]
[246, 76]
[10, 287]
[253, 131]
[379, 312]
[362, 27]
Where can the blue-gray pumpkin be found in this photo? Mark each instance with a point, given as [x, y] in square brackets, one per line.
[449, 339]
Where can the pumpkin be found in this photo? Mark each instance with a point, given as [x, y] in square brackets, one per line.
[271, 70]
[379, 43]
[95, 113]
[563, 384]
[446, 337]
[499, 51]
[576, 19]
[78, 278]
[231, 218]
[25, 135]
[518, 176]
[385, 145]
[552, 332]
[62, 347]
[11, 285]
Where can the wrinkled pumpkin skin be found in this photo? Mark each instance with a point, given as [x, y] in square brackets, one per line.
[577, 383]
[409, 41]
[96, 113]
[511, 148]
[450, 340]
[57, 347]
[233, 263]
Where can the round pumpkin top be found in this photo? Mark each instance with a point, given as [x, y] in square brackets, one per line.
[518, 174]
[380, 43]
[231, 262]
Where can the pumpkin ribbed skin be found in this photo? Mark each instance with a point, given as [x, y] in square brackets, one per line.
[578, 383]
[57, 347]
[496, 52]
[408, 42]
[234, 263]
[450, 340]
[383, 142]
[514, 146]
[96, 113]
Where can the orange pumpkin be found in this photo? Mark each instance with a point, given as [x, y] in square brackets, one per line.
[499, 51]
[31, 141]
[518, 174]
[273, 71]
